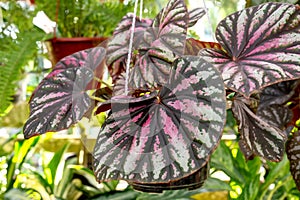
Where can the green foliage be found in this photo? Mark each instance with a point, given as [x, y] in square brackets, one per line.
[17, 159]
[253, 179]
[169, 195]
[18, 38]
[14, 162]
[84, 18]
[15, 54]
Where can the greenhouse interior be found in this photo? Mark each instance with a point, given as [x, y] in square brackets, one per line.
[149, 99]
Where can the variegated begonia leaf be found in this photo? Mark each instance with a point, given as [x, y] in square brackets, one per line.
[60, 99]
[168, 136]
[193, 46]
[261, 47]
[155, 45]
[164, 42]
[195, 15]
[257, 136]
[247, 152]
[122, 100]
[293, 153]
[278, 93]
[275, 115]
[117, 48]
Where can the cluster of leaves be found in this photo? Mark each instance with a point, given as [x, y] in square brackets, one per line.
[168, 111]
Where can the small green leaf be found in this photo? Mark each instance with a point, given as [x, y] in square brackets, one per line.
[223, 160]
[51, 169]
[251, 189]
[215, 184]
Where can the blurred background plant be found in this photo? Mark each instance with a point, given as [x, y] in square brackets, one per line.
[84, 18]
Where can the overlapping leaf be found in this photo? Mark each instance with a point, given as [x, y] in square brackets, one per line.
[257, 136]
[169, 135]
[278, 94]
[261, 47]
[156, 44]
[275, 115]
[60, 99]
[293, 153]
[118, 46]
[164, 41]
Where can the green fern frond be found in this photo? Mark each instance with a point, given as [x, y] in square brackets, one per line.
[14, 55]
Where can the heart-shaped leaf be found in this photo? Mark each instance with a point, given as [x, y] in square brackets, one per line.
[293, 153]
[257, 136]
[261, 47]
[60, 99]
[169, 135]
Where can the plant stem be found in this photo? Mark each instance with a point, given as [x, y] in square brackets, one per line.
[103, 82]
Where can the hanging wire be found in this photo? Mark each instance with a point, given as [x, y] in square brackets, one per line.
[130, 47]
[141, 9]
[209, 21]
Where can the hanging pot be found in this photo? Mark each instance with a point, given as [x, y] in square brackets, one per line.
[193, 181]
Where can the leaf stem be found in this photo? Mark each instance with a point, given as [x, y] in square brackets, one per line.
[97, 98]
[103, 82]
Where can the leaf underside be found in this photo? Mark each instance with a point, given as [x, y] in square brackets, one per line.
[261, 47]
[170, 134]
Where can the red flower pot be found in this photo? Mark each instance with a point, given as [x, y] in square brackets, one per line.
[62, 47]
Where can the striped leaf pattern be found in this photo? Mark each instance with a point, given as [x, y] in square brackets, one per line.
[164, 42]
[117, 48]
[275, 115]
[278, 93]
[261, 47]
[195, 15]
[257, 136]
[60, 99]
[293, 153]
[164, 135]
